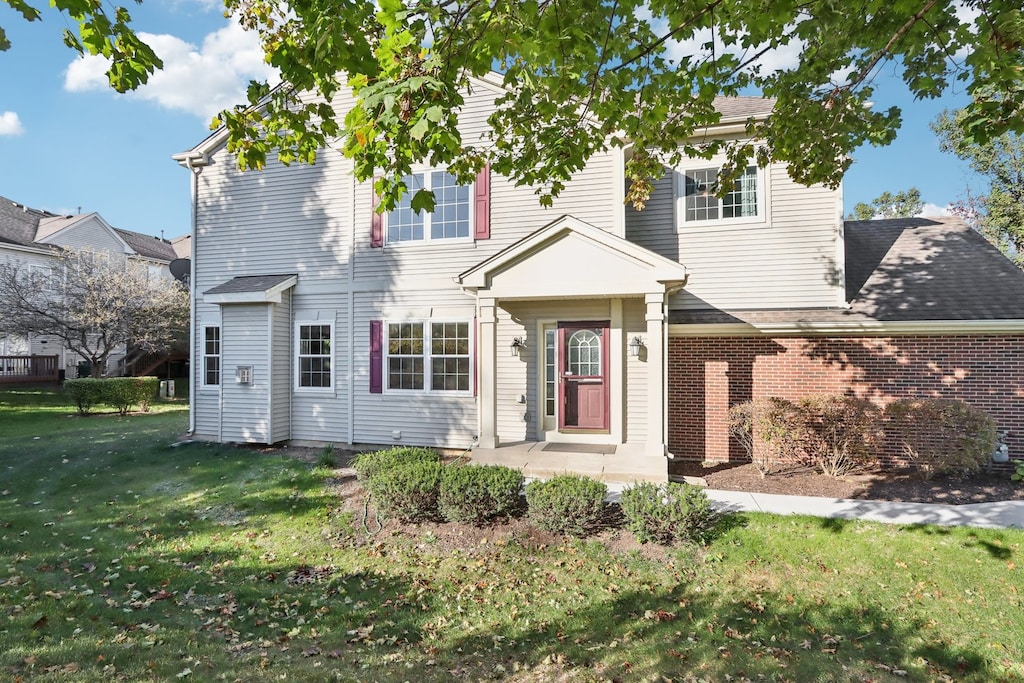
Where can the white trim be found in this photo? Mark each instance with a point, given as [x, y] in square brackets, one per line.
[861, 328]
[31, 250]
[427, 356]
[763, 187]
[203, 385]
[297, 355]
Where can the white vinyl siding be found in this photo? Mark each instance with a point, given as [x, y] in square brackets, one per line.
[280, 368]
[322, 416]
[89, 233]
[245, 338]
[787, 262]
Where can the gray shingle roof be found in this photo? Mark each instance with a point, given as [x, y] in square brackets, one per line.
[147, 245]
[906, 270]
[18, 222]
[249, 284]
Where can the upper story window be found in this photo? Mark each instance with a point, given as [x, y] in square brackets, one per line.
[314, 355]
[698, 201]
[450, 219]
[211, 356]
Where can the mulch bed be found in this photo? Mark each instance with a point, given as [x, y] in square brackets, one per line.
[891, 485]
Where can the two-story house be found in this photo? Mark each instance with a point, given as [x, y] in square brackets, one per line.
[32, 238]
[587, 328]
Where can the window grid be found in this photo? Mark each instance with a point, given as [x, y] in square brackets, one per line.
[549, 373]
[701, 203]
[450, 218]
[585, 353]
[211, 356]
[443, 364]
[314, 355]
[405, 356]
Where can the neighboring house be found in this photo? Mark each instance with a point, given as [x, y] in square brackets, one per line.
[32, 236]
[495, 323]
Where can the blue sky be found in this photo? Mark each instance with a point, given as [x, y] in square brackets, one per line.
[69, 143]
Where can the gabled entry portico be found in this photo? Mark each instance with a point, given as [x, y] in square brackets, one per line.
[556, 313]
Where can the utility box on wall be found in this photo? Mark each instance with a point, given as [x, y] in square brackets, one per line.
[243, 374]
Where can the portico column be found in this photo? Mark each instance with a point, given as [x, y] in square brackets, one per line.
[655, 373]
[487, 350]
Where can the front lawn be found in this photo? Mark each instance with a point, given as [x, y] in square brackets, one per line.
[124, 559]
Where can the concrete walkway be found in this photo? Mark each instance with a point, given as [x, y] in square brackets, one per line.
[1001, 515]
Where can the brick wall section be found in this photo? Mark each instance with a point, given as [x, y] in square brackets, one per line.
[708, 374]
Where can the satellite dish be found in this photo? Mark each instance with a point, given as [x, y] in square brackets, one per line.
[180, 268]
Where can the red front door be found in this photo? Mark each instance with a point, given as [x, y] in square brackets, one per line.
[583, 376]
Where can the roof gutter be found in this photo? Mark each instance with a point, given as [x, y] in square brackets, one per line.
[850, 328]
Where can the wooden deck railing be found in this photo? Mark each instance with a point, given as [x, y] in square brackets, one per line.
[29, 369]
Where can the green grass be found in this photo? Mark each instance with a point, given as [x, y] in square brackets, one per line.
[123, 559]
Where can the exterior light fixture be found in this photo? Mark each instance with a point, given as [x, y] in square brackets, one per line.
[517, 345]
[635, 344]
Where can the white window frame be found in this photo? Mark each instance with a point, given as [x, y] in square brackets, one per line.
[330, 357]
[427, 356]
[219, 356]
[697, 165]
[427, 217]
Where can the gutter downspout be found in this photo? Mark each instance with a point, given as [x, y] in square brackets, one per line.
[195, 367]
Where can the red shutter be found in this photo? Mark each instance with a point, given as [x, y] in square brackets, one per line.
[376, 219]
[376, 356]
[482, 204]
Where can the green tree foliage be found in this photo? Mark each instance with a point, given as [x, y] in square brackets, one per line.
[887, 205]
[99, 33]
[582, 77]
[998, 215]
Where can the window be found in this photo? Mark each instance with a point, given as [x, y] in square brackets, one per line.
[211, 356]
[699, 201]
[314, 355]
[450, 218]
[432, 356]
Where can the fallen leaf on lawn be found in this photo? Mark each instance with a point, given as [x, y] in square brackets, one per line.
[183, 673]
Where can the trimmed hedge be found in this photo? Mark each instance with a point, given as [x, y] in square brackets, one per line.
[567, 504]
[477, 494]
[121, 393]
[667, 513]
[370, 464]
[942, 435]
[407, 491]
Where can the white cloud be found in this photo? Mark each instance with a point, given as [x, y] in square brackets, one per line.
[934, 210]
[202, 81]
[10, 124]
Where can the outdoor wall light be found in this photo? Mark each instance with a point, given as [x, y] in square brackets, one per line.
[635, 344]
[517, 345]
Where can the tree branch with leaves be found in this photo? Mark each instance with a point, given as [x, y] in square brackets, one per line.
[95, 303]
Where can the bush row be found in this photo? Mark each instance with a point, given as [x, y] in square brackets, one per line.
[412, 485]
[837, 434]
[121, 393]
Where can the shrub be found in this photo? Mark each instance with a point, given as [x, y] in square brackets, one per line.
[124, 392]
[769, 429]
[1018, 471]
[476, 494]
[119, 392]
[368, 465]
[327, 457]
[85, 392]
[667, 513]
[839, 432]
[567, 504]
[939, 436]
[407, 491]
